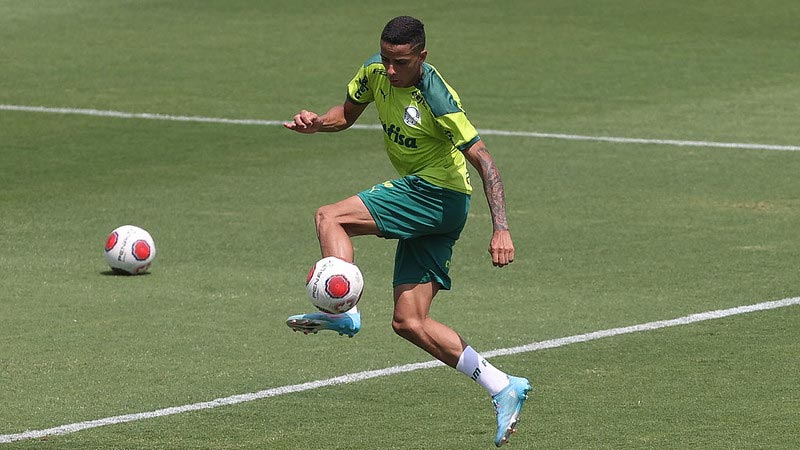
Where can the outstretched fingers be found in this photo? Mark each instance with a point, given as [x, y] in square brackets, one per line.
[304, 122]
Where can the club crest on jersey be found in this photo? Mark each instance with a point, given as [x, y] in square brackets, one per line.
[411, 117]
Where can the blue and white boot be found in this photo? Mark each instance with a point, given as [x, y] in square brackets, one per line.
[507, 405]
[345, 324]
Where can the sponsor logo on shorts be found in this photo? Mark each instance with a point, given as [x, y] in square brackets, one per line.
[377, 187]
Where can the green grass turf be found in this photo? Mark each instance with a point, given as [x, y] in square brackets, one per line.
[607, 235]
[595, 395]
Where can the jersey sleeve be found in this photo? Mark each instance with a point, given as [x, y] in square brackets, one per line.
[458, 129]
[445, 105]
[359, 90]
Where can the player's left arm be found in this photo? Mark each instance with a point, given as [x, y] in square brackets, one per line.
[501, 247]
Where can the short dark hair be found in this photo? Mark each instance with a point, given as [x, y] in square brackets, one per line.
[405, 30]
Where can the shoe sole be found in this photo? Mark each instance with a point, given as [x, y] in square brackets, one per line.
[308, 326]
[511, 430]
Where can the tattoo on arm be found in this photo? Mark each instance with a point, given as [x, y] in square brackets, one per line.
[492, 187]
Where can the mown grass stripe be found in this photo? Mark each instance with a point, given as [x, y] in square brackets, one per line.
[366, 375]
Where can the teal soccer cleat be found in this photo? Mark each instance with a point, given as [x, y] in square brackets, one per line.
[507, 406]
[348, 324]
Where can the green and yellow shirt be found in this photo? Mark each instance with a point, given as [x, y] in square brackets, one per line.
[425, 128]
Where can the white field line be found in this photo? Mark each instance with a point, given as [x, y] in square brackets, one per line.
[488, 132]
[360, 376]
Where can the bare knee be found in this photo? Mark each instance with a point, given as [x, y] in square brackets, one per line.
[325, 215]
[407, 329]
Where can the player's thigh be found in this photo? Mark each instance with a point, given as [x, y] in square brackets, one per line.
[423, 260]
[351, 213]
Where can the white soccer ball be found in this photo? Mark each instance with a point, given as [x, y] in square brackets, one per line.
[130, 250]
[334, 285]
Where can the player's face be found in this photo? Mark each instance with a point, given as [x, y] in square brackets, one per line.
[403, 63]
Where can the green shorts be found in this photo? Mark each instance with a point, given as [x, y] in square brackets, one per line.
[425, 219]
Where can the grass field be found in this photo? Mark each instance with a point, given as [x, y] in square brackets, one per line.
[608, 233]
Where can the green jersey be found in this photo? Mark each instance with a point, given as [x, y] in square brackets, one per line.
[425, 128]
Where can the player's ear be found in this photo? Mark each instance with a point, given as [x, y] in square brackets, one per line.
[423, 54]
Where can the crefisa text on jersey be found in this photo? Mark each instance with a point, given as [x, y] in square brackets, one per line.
[393, 131]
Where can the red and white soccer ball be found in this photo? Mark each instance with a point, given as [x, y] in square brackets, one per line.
[130, 250]
[334, 285]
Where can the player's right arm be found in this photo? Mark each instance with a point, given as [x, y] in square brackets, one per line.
[338, 118]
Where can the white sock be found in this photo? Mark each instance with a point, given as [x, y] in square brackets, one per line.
[353, 310]
[471, 364]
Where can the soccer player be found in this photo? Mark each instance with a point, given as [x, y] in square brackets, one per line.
[428, 139]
